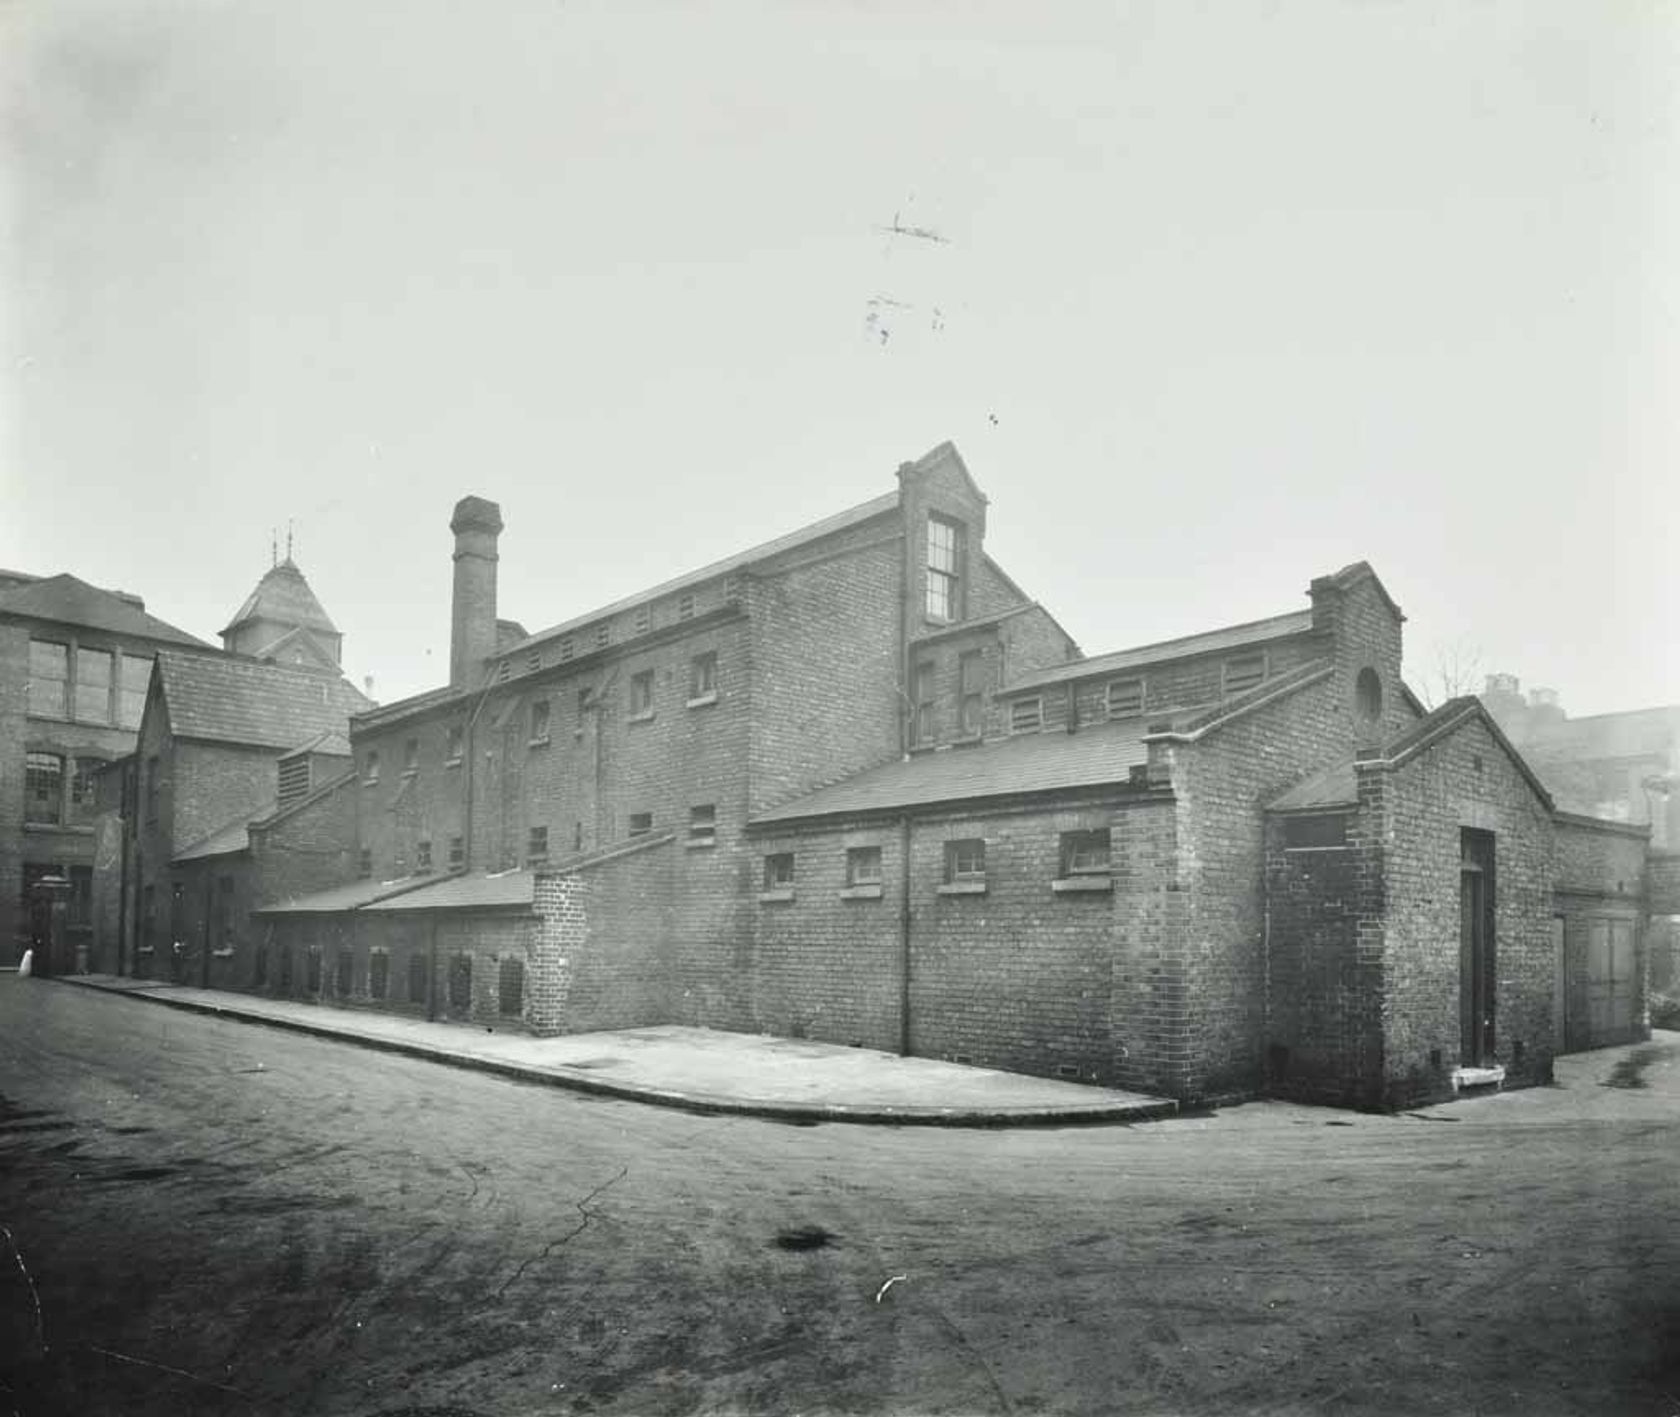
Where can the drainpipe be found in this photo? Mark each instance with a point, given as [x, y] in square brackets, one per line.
[431, 973]
[469, 754]
[122, 906]
[904, 937]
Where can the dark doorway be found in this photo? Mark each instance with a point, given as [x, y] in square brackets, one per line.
[1476, 948]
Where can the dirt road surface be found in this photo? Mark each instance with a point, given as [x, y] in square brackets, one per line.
[202, 1216]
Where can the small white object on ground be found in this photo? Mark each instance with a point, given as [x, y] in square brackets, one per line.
[888, 1285]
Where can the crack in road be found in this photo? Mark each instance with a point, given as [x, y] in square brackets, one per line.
[569, 1236]
[34, 1295]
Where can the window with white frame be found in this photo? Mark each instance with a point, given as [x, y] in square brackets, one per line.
[1085, 853]
[43, 788]
[944, 580]
[965, 861]
[703, 677]
[971, 666]
[863, 866]
[921, 704]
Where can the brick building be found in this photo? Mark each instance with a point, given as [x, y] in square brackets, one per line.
[232, 750]
[855, 785]
[74, 663]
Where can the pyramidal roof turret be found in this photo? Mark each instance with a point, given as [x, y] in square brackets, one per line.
[281, 619]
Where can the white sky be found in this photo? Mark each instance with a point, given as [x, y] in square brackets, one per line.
[1234, 293]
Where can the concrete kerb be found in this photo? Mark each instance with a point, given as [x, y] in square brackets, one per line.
[1094, 1114]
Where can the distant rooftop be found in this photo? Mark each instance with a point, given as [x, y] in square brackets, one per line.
[67, 600]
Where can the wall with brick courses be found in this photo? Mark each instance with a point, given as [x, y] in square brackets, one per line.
[826, 691]
[1600, 876]
[991, 592]
[1323, 1000]
[1223, 782]
[486, 938]
[213, 784]
[1465, 779]
[310, 847]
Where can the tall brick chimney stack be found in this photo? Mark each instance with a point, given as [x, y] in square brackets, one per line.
[472, 638]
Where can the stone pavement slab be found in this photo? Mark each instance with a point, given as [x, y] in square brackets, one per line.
[698, 1069]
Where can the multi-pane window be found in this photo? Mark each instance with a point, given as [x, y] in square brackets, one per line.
[586, 701]
[49, 679]
[536, 846]
[965, 861]
[863, 866]
[411, 757]
[641, 823]
[539, 720]
[1125, 698]
[970, 695]
[1085, 853]
[702, 824]
[43, 788]
[641, 694]
[457, 743]
[136, 675]
[778, 871]
[921, 703]
[944, 585]
[702, 677]
[93, 685]
[457, 853]
[1244, 671]
[422, 857]
[1026, 715]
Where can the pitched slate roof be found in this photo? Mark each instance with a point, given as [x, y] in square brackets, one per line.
[228, 699]
[840, 521]
[1030, 762]
[232, 837]
[476, 892]
[283, 595]
[70, 601]
[1231, 637]
[352, 896]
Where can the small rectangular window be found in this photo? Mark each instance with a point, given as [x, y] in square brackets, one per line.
[504, 671]
[921, 704]
[457, 742]
[778, 871]
[411, 757]
[370, 769]
[702, 825]
[863, 866]
[364, 862]
[685, 607]
[84, 789]
[533, 661]
[539, 720]
[971, 667]
[1085, 853]
[1026, 715]
[43, 792]
[457, 853]
[422, 857]
[644, 620]
[641, 694]
[641, 823]
[93, 685]
[1125, 698]
[536, 846]
[1244, 672]
[702, 678]
[603, 636]
[568, 648]
[49, 679]
[965, 861]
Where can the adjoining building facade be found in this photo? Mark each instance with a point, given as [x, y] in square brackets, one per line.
[74, 664]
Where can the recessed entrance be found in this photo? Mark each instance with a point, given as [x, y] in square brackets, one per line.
[1476, 948]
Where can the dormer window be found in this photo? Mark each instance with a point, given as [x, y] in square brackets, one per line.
[944, 556]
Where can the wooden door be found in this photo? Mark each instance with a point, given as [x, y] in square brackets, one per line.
[1476, 948]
